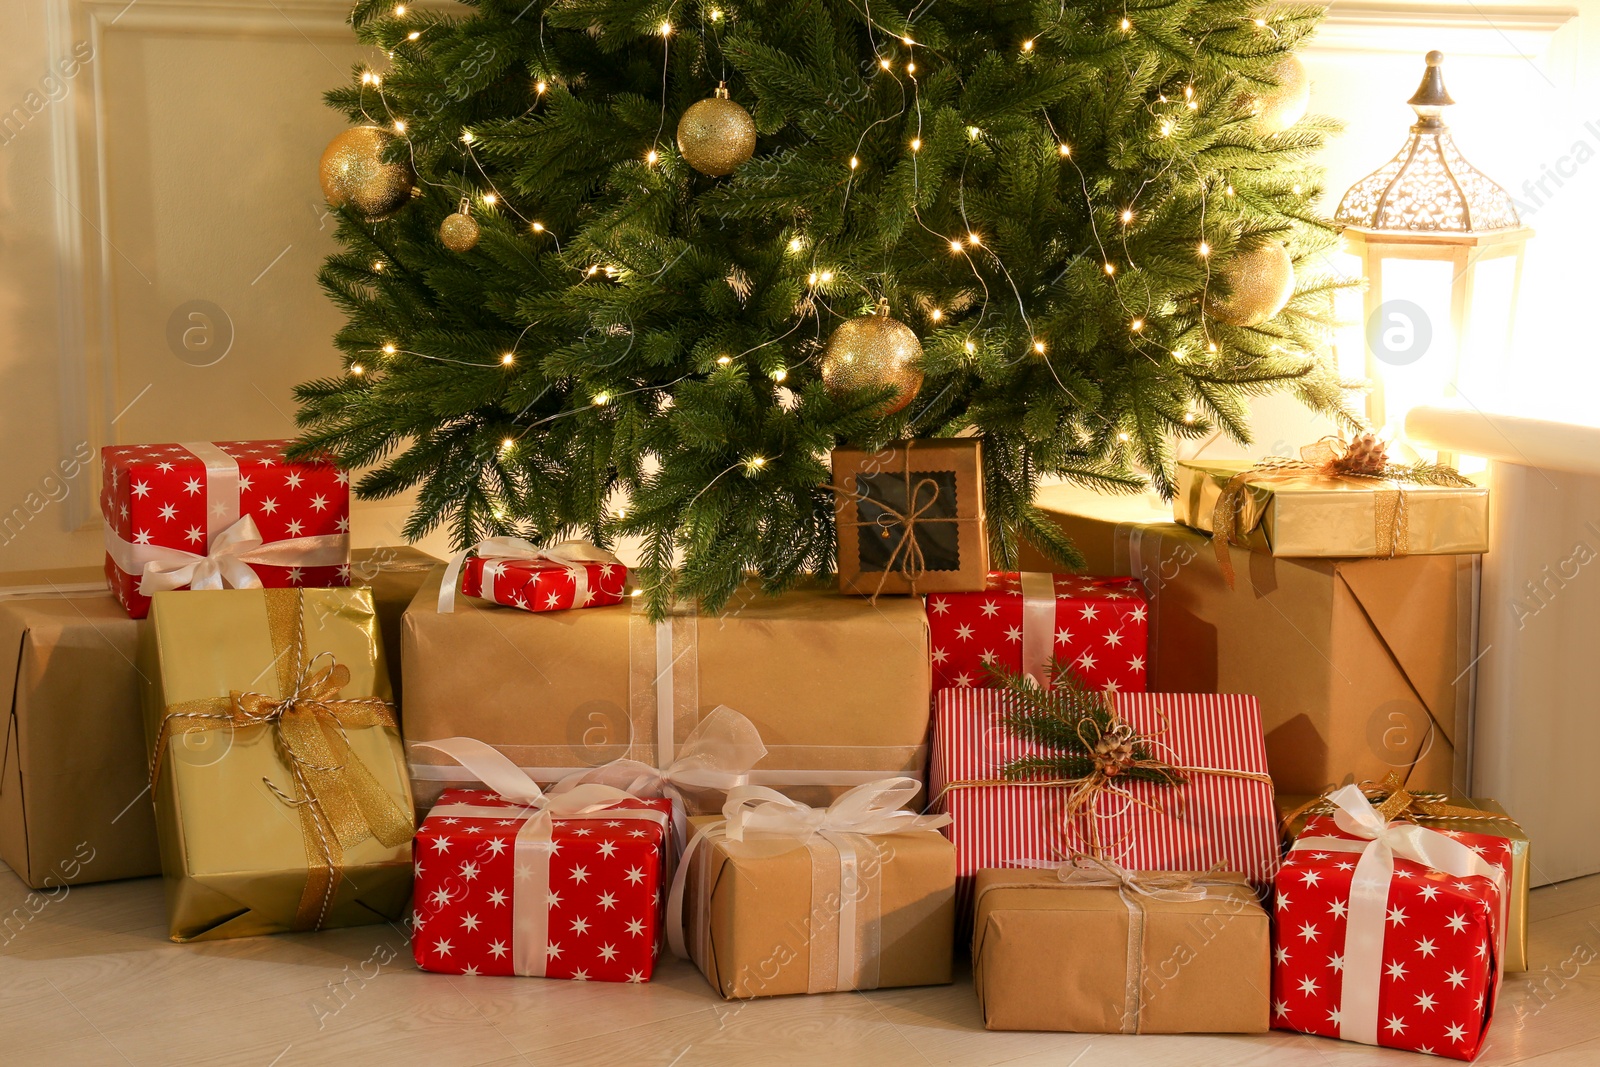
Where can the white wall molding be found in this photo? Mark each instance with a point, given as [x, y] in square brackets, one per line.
[1505, 30]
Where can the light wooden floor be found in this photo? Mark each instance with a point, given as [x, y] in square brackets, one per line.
[90, 979]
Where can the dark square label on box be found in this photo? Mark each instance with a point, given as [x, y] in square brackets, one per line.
[882, 500]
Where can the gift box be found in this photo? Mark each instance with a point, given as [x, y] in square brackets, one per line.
[1389, 933]
[505, 888]
[1138, 953]
[836, 687]
[232, 513]
[1361, 666]
[74, 779]
[516, 574]
[776, 907]
[280, 790]
[1022, 622]
[910, 518]
[1438, 811]
[1222, 812]
[1304, 513]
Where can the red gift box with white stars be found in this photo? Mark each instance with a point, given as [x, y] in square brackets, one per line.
[1098, 627]
[477, 904]
[541, 585]
[1225, 813]
[182, 496]
[1434, 984]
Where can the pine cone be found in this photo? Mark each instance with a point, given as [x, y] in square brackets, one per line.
[1366, 456]
[1112, 755]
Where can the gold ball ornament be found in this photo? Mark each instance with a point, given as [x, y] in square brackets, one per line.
[1283, 105]
[1258, 282]
[716, 135]
[872, 351]
[353, 172]
[459, 232]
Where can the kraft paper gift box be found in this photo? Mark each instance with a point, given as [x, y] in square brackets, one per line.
[280, 789]
[837, 687]
[1448, 814]
[1300, 513]
[1361, 666]
[234, 513]
[74, 779]
[1049, 955]
[774, 913]
[911, 517]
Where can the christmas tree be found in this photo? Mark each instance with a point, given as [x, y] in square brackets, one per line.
[1085, 213]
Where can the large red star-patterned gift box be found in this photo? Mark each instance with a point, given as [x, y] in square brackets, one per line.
[543, 585]
[504, 889]
[206, 514]
[1376, 946]
[1097, 627]
[1222, 813]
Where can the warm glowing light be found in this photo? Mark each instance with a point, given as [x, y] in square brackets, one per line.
[1205, 249]
[507, 445]
[368, 78]
[1027, 46]
[795, 244]
[1066, 150]
[811, 279]
[911, 68]
[651, 157]
[1166, 129]
[970, 347]
[1126, 25]
[1188, 92]
[723, 361]
[1261, 24]
[490, 199]
[974, 240]
[884, 63]
[754, 463]
[538, 227]
[1136, 325]
[1297, 189]
[377, 266]
[592, 271]
[400, 10]
[827, 276]
[935, 314]
[779, 375]
[1111, 268]
[908, 42]
[1212, 347]
[916, 144]
[1188, 416]
[508, 359]
[1127, 215]
[666, 29]
[389, 350]
[413, 35]
[1038, 346]
[540, 87]
[974, 133]
[357, 369]
[1122, 436]
[1229, 190]
[716, 14]
[955, 247]
[466, 136]
[854, 162]
[399, 126]
[602, 399]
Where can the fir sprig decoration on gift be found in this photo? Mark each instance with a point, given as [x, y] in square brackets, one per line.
[1085, 739]
[1367, 456]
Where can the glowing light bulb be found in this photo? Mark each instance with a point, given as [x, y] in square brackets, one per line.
[666, 29]
[490, 199]
[779, 375]
[592, 271]
[935, 314]
[1212, 347]
[1136, 325]
[1038, 346]
[377, 266]
[755, 463]
[955, 247]
[400, 10]
[723, 361]
[1127, 215]
[1188, 92]
[1027, 46]
[1229, 190]
[1188, 416]
[1065, 150]
[827, 276]
[1125, 25]
[811, 279]
[908, 42]
[974, 240]
[1297, 189]
[1111, 268]
[974, 133]
[357, 369]
[508, 359]
[1205, 249]
[916, 144]
[716, 14]
[389, 350]
[538, 227]
[539, 87]
[911, 68]
[1122, 436]
[854, 162]
[1261, 24]
[884, 63]
[601, 399]
[507, 445]
[651, 157]
[399, 126]
[795, 244]
[466, 136]
[970, 347]
[368, 78]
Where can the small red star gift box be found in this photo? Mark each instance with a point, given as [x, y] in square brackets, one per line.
[1097, 627]
[1222, 812]
[1389, 933]
[557, 885]
[518, 574]
[215, 514]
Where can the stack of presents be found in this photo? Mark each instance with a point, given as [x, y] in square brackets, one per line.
[1186, 790]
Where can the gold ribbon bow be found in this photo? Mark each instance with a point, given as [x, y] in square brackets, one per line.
[340, 802]
[1363, 461]
[1394, 802]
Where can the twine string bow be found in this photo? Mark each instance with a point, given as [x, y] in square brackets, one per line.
[907, 557]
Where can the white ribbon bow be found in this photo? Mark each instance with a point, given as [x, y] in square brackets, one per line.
[226, 562]
[573, 555]
[1381, 843]
[530, 931]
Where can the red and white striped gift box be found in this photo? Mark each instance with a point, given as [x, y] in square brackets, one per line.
[1210, 819]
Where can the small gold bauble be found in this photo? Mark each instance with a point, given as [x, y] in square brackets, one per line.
[459, 232]
[716, 135]
[1283, 105]
[872, 351]
[1258, 282]
[353, 172]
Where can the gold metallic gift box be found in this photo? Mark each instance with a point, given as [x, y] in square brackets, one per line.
[1294, 811]
[1049, 956]
[242, 849]
[1303, 514]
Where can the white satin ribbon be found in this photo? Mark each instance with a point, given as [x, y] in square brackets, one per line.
[867, 810]
[1038, 625]
[530, 907]
[572, 555]
[226, 563]
[1379, 846]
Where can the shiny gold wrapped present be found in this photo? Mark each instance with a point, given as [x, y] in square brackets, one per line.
[1445, 813]
[1303, 513]
[281, 795]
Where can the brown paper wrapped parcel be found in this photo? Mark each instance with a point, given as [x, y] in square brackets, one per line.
[73, 778]
[1295, 810]
[837, 687]
[1362, 666]
[778, 897]
[1104, 958]
[1302, 513]
[281, 795]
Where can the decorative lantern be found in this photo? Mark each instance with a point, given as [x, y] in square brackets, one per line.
[1441, 249]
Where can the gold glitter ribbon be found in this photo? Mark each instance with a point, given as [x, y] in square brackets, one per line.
[340, 802]
[1390, 523]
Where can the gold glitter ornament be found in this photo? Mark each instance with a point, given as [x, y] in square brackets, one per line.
[872, 351]
[1283, 105]
[716, 135]
[1258, 282]
[459, 232]
[353, 172]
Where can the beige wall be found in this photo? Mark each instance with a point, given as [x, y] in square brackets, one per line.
[159, 153]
